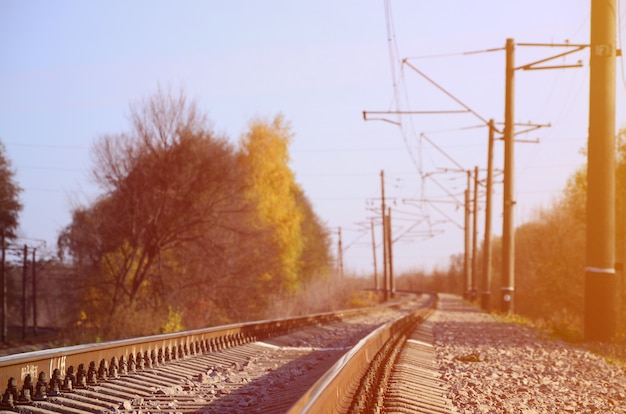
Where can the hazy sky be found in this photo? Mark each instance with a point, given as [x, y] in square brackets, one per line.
[70, 69]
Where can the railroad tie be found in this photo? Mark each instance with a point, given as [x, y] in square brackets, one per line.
[414, 385]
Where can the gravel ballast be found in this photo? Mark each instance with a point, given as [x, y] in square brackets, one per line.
[490, 366]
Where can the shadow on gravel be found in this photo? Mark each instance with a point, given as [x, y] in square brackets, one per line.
[492, 334]
[461, 326]
[453, 304]
[278, 389]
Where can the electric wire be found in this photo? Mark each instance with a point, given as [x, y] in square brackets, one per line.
[455, 54]
[399, 82]
[422, 149]
[393, 55]
[572, 97]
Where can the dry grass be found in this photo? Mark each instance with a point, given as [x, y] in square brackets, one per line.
[334, 293]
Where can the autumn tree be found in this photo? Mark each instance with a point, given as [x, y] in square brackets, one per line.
[315, 259]
[189, 230]
[272, 188]
[551, 250]
[550, 270]
[550, 254]
[168, 228]
[10, 205]
[549, 259]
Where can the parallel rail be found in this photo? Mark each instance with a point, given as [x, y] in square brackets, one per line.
[35, 375]
[353, 384]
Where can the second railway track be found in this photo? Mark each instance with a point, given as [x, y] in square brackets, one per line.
[246, 368]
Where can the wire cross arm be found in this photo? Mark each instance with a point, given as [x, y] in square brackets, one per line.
[534, 65]
[366, 114]
[529, 128]
[429, 112]
[445, 55]
[443, 90]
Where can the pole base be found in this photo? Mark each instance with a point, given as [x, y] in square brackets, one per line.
[506, 300]
[601, 306]
[485, 300]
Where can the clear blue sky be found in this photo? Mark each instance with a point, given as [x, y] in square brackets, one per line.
[70, 69]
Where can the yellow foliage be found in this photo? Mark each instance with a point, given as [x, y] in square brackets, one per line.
[82, 315]
[122, 265]
[174, 321]
[272, 188]
[360, 299]
[82, 318]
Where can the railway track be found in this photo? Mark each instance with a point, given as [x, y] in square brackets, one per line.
[334, 362]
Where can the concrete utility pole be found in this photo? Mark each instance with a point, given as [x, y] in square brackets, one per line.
[475, 239]
[339, 253]
[34, 276]
[485, 296]
[374, 254]
[385, 263]
[392, 287]
[508, 228]
[467, 275]
[600, 280]
[24, 274]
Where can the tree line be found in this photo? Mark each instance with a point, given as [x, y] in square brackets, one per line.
[190, 230]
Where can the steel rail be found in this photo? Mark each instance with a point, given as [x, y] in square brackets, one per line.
[33, 375]
[350, 385]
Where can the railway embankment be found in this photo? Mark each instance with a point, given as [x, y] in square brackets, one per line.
[492, 366]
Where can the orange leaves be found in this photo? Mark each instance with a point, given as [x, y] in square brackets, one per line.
[272, 188]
